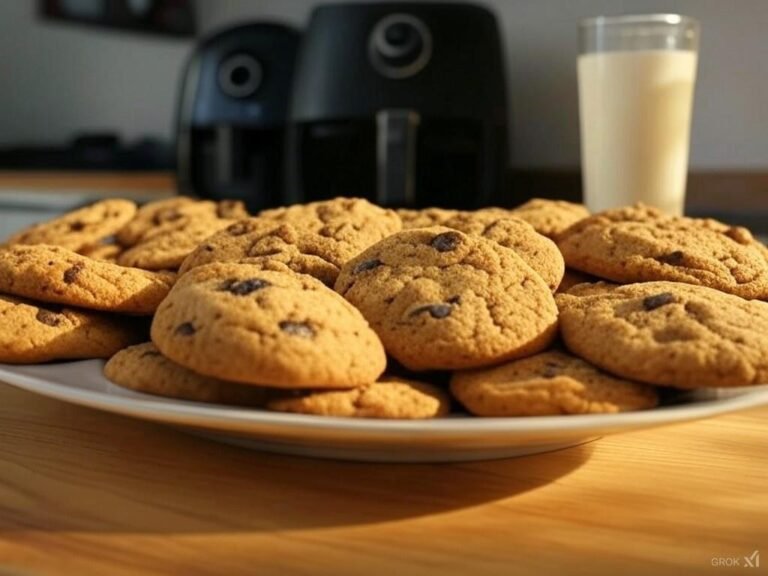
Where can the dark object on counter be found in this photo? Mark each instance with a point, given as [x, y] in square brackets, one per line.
[232, 110]
[91, 152]
[168, 17]
[404, 104]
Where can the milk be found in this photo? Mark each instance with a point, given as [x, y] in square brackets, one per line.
[635, 109]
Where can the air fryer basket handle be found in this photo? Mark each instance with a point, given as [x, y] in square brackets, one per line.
[396, 156]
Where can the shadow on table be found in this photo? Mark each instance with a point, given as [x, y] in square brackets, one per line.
[111, 474]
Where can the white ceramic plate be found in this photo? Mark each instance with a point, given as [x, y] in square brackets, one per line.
[450, 439]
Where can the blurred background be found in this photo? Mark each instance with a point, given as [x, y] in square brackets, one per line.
[93, 86]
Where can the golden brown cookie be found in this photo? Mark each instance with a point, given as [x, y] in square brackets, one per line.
[641, 244]
[167, 248]
[54, 274]
[31, 332]
[243, 323]
[352, 220]
[256, 239]
[668, 333]
[144, 369]
[389, 398]
[80, 228]
[103, 252]
[548, 383]
[425, 217]
[167, 214]
[550, 217]
[538, 251]
[442, 299]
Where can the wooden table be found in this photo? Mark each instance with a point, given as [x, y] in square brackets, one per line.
[84, 492]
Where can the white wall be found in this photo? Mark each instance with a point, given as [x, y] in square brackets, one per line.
[730, 125]
[57, 79]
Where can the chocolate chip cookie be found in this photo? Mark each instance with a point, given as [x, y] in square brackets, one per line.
[242, 323]
[668, 333]
[538, 251]
[639, 244]
[167, 214]
[352, 220]
[80, 228]
[257, 239]
[389, 398]
[55, 274]
[144, 369]
[550, 217]
[425, 217]
[549, 383]
[167, 248]
[442, 299]
[31, 333]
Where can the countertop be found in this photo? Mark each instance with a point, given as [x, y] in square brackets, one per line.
[84, 492]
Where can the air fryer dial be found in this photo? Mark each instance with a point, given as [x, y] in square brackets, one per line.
[400, 46]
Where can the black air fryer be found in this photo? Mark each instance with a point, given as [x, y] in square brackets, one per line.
[232, 114]
[404, 104]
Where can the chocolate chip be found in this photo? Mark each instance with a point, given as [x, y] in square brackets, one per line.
[208, 248]
[446, 241]
[186, 329]
[454, 300]
[47, 317]
[658, 300]
[435, 310]
[243, 287]
[77, 226]
[71, 273]
[673, 258]
[367, 265]
[301, 329]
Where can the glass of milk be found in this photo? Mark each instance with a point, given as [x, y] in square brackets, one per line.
[636, 78]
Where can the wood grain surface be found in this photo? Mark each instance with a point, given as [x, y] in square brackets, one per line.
[84, 492]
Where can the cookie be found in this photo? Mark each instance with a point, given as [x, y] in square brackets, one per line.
[31, 333]
[242, 323]
[352, 220]
[256, 239]
[550, 217]
[641, 244]
[167, 250]
[80, 228]
[549, 383]
[668, 333]
[103, 252]
[54, 274]
[162, 215]
[388, 398]
[538, 251]
[442, 299]
[425, 217]
[144, 369]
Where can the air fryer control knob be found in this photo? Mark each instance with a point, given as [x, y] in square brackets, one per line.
[240, 75]
[400, 46]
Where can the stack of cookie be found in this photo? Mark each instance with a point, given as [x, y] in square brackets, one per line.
[344, 308]
[56, 303]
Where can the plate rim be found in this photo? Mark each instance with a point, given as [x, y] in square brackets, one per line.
[176, 411]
